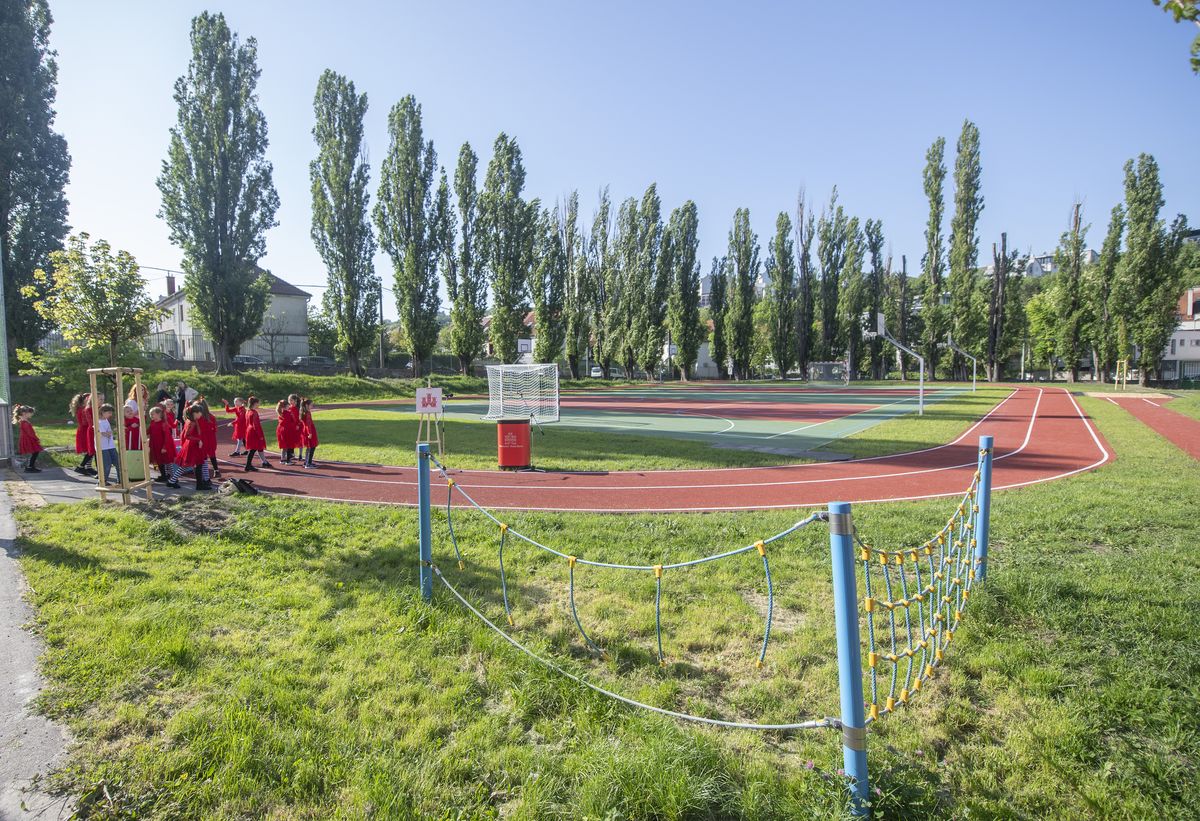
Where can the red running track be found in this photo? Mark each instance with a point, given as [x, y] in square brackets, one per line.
[1040, 434]
[1183, 431]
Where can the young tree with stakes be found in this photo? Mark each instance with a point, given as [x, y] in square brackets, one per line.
[341, 229]
[217, 196]
[94, 296]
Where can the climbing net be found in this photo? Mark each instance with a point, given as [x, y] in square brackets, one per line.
[914, 602]
[659, 570]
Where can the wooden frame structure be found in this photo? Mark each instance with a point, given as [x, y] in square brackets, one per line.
[126, 488]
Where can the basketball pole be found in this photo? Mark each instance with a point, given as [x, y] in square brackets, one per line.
[881, 330]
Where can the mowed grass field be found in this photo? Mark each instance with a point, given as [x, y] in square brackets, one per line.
[272, 658]
[387, 437]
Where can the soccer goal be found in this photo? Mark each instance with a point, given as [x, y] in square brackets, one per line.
[523, 392]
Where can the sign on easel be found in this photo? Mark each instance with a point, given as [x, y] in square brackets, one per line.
[429, 417]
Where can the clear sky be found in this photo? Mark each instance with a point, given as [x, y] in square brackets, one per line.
[728, 104]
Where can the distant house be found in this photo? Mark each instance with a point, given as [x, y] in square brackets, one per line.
[284, 333]
[1043, 263]
[1181, 357]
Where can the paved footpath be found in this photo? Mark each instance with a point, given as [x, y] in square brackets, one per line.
[30, 744]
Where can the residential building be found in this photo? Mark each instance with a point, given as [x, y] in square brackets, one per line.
[1043, 263]
[1181, 357]
[284, 333]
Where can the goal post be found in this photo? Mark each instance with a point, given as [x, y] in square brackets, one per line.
[523, 392]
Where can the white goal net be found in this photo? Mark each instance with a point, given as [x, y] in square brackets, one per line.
[523, 392]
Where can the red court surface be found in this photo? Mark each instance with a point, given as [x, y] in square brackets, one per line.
[1040, 434]
[1183, 431]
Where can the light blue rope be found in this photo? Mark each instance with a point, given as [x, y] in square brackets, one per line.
[503, 582]
[575, 613]
[658, 616]
[762, 654]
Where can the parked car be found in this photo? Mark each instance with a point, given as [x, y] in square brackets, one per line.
[242, 359]
[596, 372]
[313, 360]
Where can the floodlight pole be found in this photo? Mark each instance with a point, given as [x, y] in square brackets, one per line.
[974, 362]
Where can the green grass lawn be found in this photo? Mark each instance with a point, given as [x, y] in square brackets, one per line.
[254, 658]
[1187, 402]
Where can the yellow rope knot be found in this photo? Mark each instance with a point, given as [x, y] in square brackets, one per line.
[462, 565]
[762, 547]
[571, 562]
[866, 554]
[658, 571]
[869, 603]
[449, 483]
[503, 527]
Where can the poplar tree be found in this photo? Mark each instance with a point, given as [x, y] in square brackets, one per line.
[619, 328]
[933, 314]
[999, 284]
[1149, 281]
[964, 245]
[577, 296]
[340, 227]
[507, 225]
[467, 290]
[743, 273]
[217, 196]
[34, 165]
[1099, 281]
[898, 313]
[406, 216]
[647, 285]
[831, 251]
[805, 295]
[852, 298]
[781, 295]
[548, 285]
[876, 291]
[718, 307]
[602, 279]
[1069, 305]
[684, 304]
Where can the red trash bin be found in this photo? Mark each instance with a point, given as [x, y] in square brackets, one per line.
[512, 444]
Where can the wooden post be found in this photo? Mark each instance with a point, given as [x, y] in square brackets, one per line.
[126, 487]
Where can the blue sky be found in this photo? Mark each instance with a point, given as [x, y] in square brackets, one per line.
[731, 105]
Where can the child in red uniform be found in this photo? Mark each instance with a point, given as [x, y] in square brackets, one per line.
[208, 434]
[29, 444]
[283, 433]
[256, 441]
[169, 411]
[239, 423]
[296, 440]
[162, 447]
[133, 433]
[85, 435]
[191, 454]
[308, 429]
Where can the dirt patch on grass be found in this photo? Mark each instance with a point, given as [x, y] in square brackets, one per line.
[782, 619]
[192, 516]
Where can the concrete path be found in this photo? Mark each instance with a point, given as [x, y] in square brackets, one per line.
[30, 745]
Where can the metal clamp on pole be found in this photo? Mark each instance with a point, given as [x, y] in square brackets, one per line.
[426, 540]
[849, 646]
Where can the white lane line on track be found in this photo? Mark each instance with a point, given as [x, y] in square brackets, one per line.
[1105, 457]
[825, 480]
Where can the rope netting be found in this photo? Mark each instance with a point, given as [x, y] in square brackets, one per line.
[914, 602]
[659, 570]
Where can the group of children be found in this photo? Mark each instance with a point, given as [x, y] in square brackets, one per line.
[296, 434]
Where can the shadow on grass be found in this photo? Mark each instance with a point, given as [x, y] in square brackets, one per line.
[67, 558]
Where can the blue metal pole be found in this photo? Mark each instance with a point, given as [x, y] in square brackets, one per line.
[423, 495]
[849, 646]
[983, 518]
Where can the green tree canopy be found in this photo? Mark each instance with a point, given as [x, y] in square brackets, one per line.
[933, 265]
[684, 303]
[340, 227]
[217, 196]
[34, 164]
[406, 217]
[965, 318]
[507, 225]
[467, 287]
[781, 296]
[743, 275]
[93, 296]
